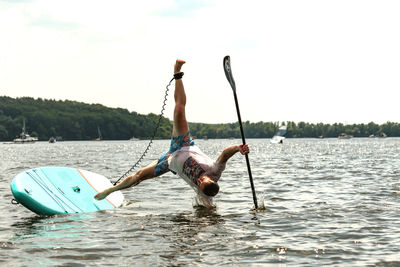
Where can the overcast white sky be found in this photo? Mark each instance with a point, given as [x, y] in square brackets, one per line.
[313, 61]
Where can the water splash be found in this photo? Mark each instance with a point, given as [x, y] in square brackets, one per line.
[261, 205]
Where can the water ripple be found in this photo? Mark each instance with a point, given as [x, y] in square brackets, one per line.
[327, 202]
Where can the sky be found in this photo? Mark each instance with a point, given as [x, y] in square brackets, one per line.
[313, 61]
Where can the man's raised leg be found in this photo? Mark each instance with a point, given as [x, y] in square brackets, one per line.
[180, 124]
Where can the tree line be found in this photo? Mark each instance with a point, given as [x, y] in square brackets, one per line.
[79, 121]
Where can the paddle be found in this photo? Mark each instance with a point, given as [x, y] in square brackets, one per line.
[229, 76]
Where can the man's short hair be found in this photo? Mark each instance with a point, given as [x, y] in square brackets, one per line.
[211, 189]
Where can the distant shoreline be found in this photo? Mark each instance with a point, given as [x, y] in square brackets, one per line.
[74, 120]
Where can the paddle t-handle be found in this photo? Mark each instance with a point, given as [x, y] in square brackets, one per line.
[229, 76]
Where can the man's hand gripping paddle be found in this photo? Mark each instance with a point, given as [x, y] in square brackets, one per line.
[229, 76]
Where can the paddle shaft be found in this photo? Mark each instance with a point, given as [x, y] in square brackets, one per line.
[246, 155]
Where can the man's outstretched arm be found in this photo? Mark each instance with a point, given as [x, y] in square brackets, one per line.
[228, 152]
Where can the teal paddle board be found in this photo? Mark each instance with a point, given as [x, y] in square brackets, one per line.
[61, 190]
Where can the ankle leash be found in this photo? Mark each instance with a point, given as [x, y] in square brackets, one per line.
[177, 76]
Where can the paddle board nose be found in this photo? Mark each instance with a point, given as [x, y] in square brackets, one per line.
[60, 190]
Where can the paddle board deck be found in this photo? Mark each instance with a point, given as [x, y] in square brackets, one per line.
[61, 190]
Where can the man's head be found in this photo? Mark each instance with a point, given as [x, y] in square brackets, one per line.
[208, 185]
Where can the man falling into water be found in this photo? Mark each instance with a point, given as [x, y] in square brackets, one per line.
[183, 157]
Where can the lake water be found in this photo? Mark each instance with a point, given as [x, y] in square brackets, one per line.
[327, 202]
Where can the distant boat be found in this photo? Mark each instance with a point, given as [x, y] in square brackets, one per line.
[279, 135]
[24, 137]
[382, 135]
[345, 136]
[99, 133]
[134, 139]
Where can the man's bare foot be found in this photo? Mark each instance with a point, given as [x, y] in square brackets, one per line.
[178, 65]
[101, 195]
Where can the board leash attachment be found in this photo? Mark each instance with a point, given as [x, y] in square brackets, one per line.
[176, 76]
[229, 76]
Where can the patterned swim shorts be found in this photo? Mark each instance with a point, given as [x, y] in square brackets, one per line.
[177, 143]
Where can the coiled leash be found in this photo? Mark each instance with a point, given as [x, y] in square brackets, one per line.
[177, 76]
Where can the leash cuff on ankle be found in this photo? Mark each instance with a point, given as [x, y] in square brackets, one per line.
[178, 75]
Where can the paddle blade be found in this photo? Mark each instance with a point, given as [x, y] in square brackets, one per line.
[228, 72]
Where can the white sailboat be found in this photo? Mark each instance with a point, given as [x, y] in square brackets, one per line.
[99, 132]
[24, 137]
